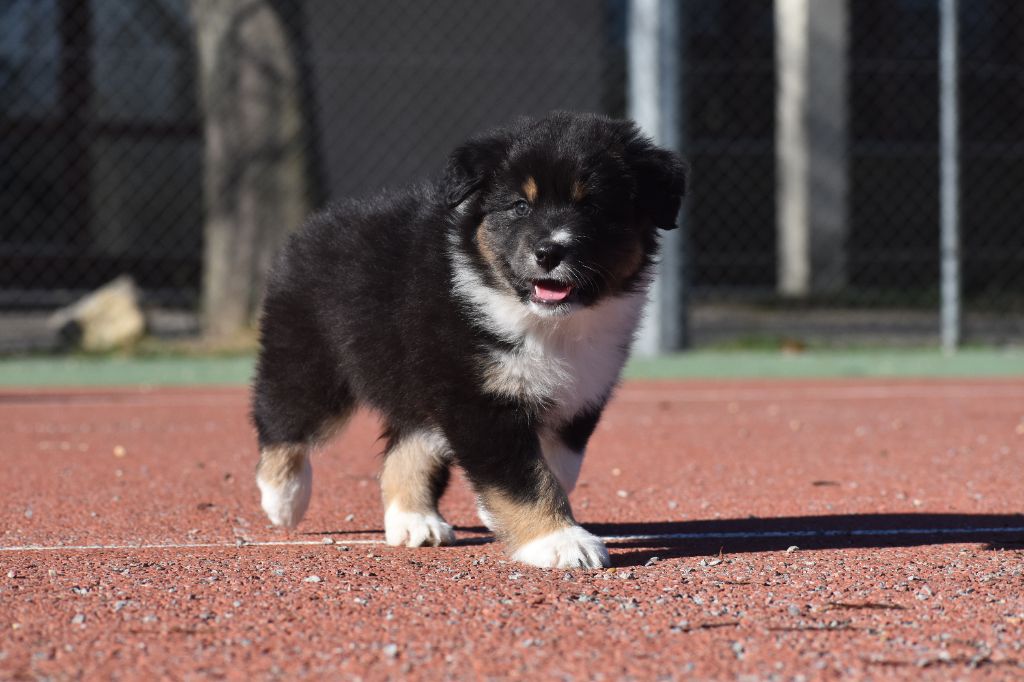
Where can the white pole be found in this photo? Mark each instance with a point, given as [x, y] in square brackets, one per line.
[949, 177]
[654, 103]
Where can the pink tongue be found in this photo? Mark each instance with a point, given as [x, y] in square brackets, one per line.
[551, 292]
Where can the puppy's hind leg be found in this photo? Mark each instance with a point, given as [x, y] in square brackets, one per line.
[414, 476]
[288, 434]
[284, 476]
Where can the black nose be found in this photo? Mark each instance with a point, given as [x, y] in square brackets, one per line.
[549, 254]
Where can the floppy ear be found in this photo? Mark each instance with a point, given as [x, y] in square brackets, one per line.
[469, 166]
[660, 183]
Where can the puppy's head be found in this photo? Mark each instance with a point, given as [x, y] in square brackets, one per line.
[562, 212]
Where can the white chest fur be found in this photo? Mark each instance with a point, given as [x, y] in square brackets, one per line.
[568, 362]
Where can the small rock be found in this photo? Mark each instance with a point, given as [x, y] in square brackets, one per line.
[328, 541]
[653, 560]
[79, 619]
[312, 579]
[390, 650]
[791, 549]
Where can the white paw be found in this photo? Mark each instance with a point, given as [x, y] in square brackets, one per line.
[570, 547]
[286, 503]
[414, 529]
[485, 516]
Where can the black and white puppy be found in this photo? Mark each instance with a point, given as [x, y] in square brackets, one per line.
[485, 317]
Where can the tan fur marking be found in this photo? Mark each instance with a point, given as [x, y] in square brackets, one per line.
[490, 255]
[579, 192]
[630, 263]
[409, 467]
[281, 463]
[530, 189]
[482, 243]
[518, 522]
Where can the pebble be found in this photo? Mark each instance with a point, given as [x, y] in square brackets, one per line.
[312, 579]
[79, 619]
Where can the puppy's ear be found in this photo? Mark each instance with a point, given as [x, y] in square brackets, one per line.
[469, 166]
[661, 178]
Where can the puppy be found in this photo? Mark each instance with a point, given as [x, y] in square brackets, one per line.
[486, 317]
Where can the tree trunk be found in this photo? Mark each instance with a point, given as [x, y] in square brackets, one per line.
[255, 182]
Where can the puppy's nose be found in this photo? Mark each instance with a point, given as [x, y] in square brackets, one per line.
[549, 254]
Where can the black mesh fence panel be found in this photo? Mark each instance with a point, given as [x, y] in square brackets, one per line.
[103, 147]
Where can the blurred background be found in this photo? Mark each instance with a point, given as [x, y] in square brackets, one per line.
[169, 145]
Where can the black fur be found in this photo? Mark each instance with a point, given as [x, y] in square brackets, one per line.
[360, 307]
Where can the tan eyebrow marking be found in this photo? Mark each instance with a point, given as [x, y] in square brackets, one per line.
[530, 189]
[579, 192]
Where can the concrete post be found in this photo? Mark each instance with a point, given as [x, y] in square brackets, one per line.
[811, 145]
[654, 103]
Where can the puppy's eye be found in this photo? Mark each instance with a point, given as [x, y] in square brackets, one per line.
[521, 208]
[588, 210]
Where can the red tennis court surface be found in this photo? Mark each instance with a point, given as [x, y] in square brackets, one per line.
[132, 544]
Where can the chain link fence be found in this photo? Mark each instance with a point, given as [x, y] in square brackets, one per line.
[176, 141]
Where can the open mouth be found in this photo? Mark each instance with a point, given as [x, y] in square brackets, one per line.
[550, 292]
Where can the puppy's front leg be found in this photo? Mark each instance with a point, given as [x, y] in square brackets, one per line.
[414, 476]
[521, 495]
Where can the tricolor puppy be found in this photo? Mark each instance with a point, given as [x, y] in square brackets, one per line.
[485, 317]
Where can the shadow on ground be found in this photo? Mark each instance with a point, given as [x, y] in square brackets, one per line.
[675, 539]
[672, 539]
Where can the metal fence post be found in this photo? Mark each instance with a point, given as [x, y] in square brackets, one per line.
[949, 177]
[654, 103]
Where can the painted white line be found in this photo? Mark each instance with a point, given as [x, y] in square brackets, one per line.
[783, 393]
[189, 545]
[653, 537]
[127, 400]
